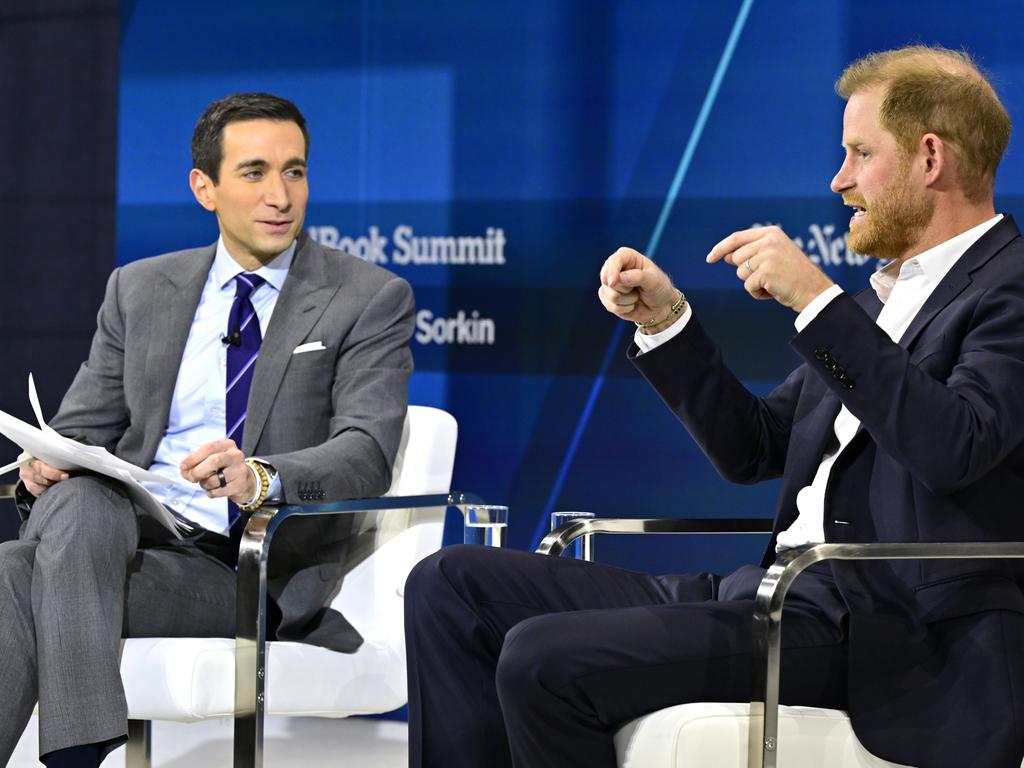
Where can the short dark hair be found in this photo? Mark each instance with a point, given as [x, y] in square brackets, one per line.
[208, 136]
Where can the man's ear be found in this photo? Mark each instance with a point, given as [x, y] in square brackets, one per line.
[203, 188]
[937, 164]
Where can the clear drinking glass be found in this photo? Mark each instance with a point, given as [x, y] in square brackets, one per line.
[485, 524]
[583, 547]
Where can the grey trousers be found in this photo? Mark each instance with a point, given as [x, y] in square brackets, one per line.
[86, 571]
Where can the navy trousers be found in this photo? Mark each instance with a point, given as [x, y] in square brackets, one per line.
[526, 660]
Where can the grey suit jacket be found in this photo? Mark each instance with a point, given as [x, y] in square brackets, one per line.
[327, 420]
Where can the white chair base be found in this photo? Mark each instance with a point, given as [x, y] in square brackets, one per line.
[708, 734]
[188, 679]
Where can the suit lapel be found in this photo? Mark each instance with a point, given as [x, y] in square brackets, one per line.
[951, 286]
[305, 295]
[959, 277]
[175, 296]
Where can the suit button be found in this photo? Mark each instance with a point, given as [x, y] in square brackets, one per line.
[838, 373]
[320, 494]
[821, 353]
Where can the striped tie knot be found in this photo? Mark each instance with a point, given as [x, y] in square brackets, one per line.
[242, 312]
[246, 283]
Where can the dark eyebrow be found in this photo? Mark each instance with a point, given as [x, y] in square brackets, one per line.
[254, 164]
[260, 165]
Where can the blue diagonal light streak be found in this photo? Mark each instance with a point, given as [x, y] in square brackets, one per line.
[652, 247]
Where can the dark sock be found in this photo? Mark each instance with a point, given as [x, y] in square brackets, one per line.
[82, 756]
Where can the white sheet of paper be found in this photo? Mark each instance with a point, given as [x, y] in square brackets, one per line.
[14, 465]
[44, 443]
[33, 400]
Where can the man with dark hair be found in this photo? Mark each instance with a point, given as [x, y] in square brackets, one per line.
[262, 367]
[207, 138]
[903, 424]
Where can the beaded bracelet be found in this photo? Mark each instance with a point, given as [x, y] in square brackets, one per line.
[264, 476]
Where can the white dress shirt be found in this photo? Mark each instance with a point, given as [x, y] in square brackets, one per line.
[197, 405]
[903, 295]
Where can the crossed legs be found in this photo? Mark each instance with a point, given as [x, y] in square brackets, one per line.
[63, 610]
[63, 580]
[531, 661]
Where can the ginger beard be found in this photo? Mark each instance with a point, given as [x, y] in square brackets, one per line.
[894, 221]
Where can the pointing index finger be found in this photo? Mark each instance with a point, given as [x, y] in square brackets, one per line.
[736, 240]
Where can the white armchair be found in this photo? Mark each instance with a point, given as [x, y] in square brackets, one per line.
[199, 678]
[761, 733]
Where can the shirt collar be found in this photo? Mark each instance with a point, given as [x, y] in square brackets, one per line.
[933, 263]
[225, 267]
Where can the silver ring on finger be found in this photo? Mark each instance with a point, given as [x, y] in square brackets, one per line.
[221, 479]
[749, 266]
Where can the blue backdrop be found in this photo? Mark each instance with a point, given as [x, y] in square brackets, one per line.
[495, 153]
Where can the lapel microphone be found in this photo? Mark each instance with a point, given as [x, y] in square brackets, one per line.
[234, 338]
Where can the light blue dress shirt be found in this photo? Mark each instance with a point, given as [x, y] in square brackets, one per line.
[197, 406]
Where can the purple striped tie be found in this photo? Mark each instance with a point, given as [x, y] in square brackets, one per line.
[243, 349]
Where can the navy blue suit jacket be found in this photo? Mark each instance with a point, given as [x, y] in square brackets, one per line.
[939, 457]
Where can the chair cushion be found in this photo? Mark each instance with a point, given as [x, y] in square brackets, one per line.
[187, 679]
[704, 734]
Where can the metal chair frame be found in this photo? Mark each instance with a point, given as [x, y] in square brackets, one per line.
[764, 704]
[251, 606]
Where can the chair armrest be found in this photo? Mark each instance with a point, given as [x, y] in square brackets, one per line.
[768, 616]
[251, 603]
[564, 535]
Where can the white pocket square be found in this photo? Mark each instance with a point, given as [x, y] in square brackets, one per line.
[309, 346]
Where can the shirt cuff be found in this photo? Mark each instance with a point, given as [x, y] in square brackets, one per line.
[811, 310]
[274, 491]
[646, 342]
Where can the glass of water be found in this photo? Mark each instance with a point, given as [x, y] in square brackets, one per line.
[583, 547]
[485, 524]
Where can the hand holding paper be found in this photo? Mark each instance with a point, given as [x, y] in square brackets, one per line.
[37, 475]
[62, 453]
